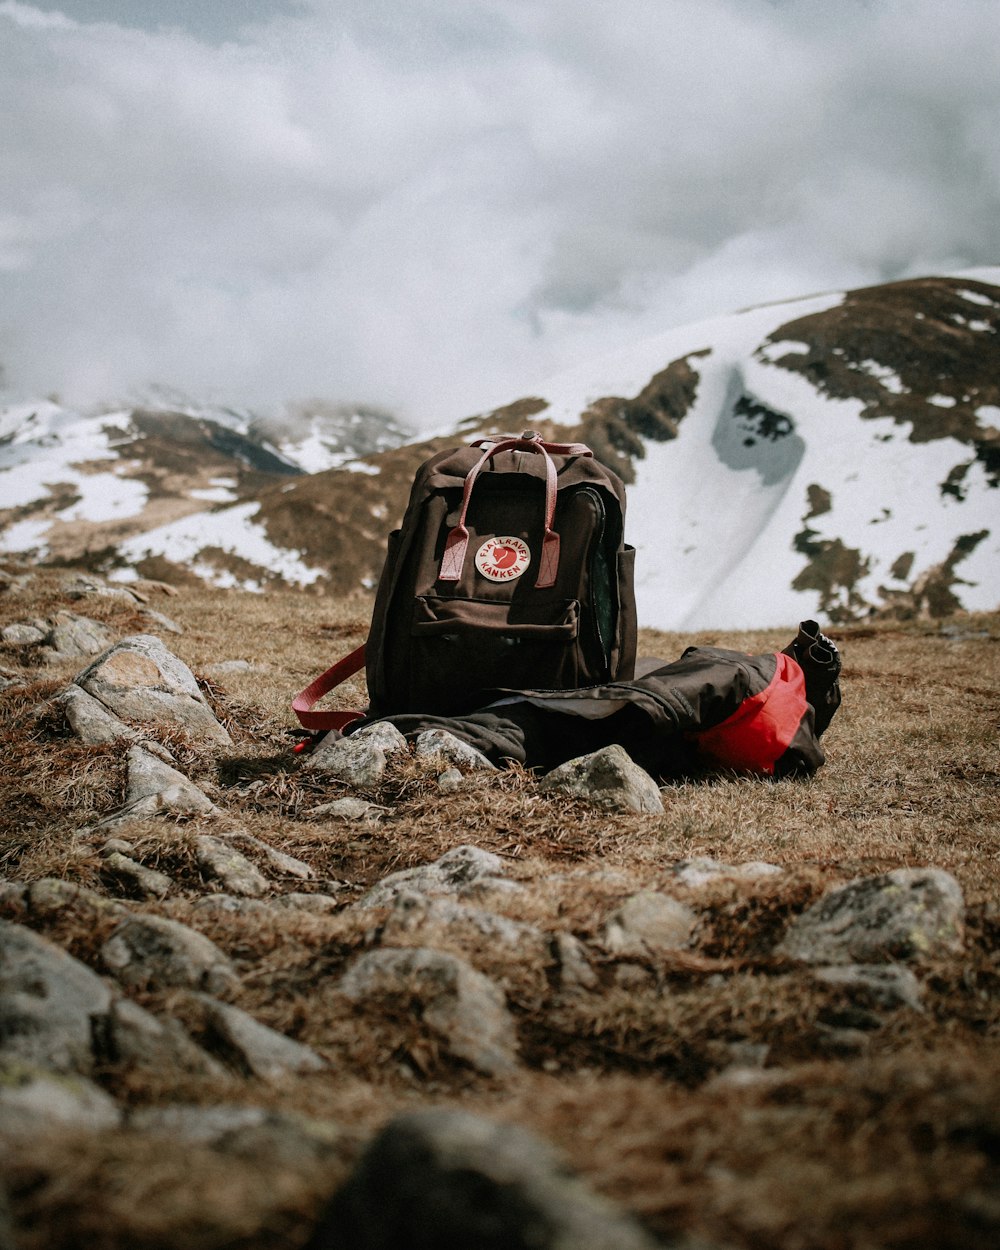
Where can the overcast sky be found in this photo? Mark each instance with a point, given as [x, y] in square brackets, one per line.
[433, 204]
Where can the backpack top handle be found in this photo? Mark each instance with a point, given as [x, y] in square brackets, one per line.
[457, 543]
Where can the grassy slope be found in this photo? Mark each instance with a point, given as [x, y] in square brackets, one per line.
[890, 1143]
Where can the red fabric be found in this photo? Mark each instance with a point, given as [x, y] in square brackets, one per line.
[333, 677]
[761, 729]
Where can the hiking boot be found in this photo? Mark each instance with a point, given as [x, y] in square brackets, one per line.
[820, 662]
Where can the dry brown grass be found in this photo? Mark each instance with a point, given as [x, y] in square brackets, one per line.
[887, 1137]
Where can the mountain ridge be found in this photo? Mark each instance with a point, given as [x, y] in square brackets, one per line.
[834, 456]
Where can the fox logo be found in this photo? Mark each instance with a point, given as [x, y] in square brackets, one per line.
[503, 559]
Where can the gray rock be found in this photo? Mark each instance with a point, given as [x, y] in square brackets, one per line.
[72, 636]
[450, 1179]
[160, 621]
[412, 913]
[33, 1101]
[253, 1047]
[140, 680]
[150, 950]
[222, 862]
[357, 763]
[90, 720]
[228, 666]
[450, 781]
[350, 808]
[885, 986]
[575, 972]
[454, 873]
[23, 634]
[155, 788]
[607, 778]
[649, 921]
[48, 1002]
[120, 845]
[135, 877]
[133, 1036]
[910, 913]
[440, 744]
[287, 865]
[463, 1008]
[383, 735]
[81, 585]
[702, 869]
[51, 895]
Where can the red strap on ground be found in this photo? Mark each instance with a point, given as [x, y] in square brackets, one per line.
[303, 702]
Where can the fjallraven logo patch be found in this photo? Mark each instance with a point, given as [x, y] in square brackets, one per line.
[503, 559]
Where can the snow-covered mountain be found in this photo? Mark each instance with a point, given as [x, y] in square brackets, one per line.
[834, 456]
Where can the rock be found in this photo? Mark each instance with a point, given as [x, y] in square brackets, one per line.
[649, 921]
[23, 634]
[575, 972]
[228, 666]
[385, 736]
[411, 913]
[886, 986]
[140, 880]
[450, 781]
[48, 1002]
[253, 1047]
[140, 680]
[162, 622]
[702, 869]
[457, 871]
[155, 789]
[81, 585]
[463, 1008]
[33, 1101]
[357, 763]
[910, 913]
[50, 895]
[440, 744]
[454, 1180]
[72, 636]
[287, 865]
[153, 951]
[90, 720]
[607, 778]
[350, 808]
[223, 863]
[111, 845]
[133, 1036]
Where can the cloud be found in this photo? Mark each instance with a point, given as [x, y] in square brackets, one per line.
[433, 205]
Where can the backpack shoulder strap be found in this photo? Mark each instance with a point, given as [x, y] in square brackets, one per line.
[335, 676]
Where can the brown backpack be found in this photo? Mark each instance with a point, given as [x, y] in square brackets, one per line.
[509, 571]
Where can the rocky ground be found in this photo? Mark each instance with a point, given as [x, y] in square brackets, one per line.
[378, 995]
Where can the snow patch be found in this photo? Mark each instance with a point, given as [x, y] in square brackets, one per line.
[977, 297]
[231, 530]
[942, 401]
[889, 378]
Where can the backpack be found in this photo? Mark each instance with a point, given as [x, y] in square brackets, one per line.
[509, 571]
